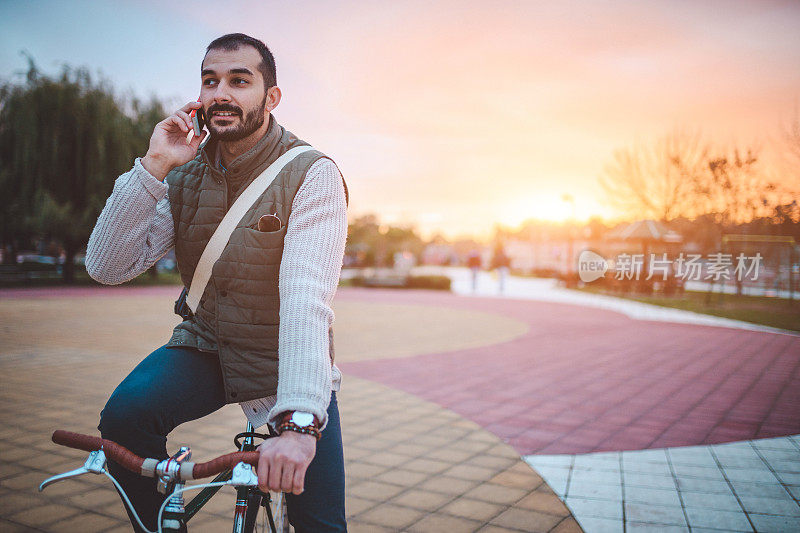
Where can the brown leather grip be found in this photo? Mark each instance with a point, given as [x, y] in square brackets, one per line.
[133, 462]
[87, 443]
[222, 463]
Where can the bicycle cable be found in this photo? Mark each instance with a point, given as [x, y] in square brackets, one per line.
[174, 493]
[127, 502]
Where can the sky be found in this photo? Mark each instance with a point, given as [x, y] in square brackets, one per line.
[456, 116]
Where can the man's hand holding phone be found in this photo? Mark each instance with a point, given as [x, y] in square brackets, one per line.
[169, 144]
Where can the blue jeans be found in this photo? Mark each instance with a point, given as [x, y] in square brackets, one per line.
[175, 385]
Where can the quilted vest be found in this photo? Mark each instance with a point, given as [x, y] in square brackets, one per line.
[239, 314]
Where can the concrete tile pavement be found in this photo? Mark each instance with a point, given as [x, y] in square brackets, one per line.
[690, 487]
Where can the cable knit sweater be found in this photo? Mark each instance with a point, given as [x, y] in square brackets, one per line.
[135, 229]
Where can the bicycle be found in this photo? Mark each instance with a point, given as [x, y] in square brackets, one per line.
[254, 512]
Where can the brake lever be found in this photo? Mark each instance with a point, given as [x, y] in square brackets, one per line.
[94, 464]
[243, 475]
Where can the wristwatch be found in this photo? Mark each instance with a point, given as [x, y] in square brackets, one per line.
[300, 422]
[302, 419]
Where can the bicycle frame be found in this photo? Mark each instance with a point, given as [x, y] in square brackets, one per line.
[246, 497]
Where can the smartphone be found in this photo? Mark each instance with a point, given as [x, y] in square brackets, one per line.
[198, 120]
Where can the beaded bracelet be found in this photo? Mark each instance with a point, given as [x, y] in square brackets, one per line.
[291, 426]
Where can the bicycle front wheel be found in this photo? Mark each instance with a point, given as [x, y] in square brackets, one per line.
[267, 517]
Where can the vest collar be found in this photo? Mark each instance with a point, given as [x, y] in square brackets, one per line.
[256, 159]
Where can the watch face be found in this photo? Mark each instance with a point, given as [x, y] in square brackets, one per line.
[302, 419]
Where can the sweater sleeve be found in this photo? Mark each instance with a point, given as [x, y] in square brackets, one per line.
[309, 275]
[134, 230]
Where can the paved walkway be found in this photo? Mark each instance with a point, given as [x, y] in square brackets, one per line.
[633, 421]
[548, 290]
[741, 486]
[582, 380]
[697, 384]
[411, 464]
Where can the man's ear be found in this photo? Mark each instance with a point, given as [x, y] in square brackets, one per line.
[273, 97]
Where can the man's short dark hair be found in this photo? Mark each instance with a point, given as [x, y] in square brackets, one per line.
[233, 41]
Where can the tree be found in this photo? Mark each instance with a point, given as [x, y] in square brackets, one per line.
[685, 177]
[792, 138]
[791, 181]
[377, 243]
[656, 181]
[63, 141]
[732, 189]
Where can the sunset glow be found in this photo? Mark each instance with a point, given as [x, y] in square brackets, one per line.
[456, 116]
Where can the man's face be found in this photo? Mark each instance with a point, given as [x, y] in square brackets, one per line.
[233, 93]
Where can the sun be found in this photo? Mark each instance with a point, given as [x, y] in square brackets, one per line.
[541, 207]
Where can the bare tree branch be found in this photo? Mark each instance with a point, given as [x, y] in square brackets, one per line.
[656, 181]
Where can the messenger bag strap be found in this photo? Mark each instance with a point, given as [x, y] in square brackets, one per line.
[232, 218]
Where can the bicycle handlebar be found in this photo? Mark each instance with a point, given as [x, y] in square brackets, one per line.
[147, 467]
[222, 463]
[87, 443]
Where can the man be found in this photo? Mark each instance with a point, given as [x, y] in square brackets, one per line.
[266, 309]
[474, 262]
[501, 262]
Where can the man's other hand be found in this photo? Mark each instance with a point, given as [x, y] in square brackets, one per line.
[169, 146]
[283, 461]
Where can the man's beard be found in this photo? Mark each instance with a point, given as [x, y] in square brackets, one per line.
[246, 127]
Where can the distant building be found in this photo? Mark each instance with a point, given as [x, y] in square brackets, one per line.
[550, 256]
[437, 254]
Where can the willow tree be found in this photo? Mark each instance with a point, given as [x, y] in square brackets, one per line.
[63, 141]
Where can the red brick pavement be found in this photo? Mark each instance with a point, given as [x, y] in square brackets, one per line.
[584, 380]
